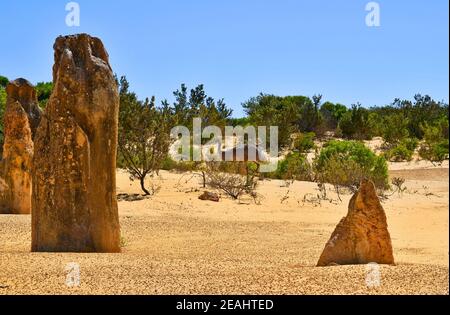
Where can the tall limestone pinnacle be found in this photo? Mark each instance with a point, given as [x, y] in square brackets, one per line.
[22, 116]
[74, 205]
[22, 91]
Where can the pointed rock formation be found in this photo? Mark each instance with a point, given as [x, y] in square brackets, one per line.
[362, 236]
[22, 91]
[21, 118]
[74, 206]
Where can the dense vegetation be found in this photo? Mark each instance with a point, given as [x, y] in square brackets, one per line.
[400, 120]
[292, 113]
[407, 127]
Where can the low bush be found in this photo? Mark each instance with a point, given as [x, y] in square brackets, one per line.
[410, 143]
[346, 163]
[169, 164]
[403, 151]
[231, 182]
[304, 142]
[294, 167]
[399, 153]
[435, 152]
[435, 147]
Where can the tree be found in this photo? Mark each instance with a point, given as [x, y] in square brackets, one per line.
[422, 110]
[199, 105]
[270, 110]
[144, 134]
[291, 114]
[3, 81]
[243, 122]
[395, 128]
[332, 114]
[307, 112]
[355, 123]
[376, 124]
[43, 91]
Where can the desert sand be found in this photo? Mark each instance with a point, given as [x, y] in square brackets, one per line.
[174, 243]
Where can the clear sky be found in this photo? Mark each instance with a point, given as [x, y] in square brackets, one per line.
[239, 48]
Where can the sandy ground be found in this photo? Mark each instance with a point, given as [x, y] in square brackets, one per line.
[177, 244]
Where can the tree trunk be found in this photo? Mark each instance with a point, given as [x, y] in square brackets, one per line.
[147, 193]
[204, 179]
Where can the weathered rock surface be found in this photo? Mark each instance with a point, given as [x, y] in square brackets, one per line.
[362, 236]
[74, 206]
[22, 91]
[209, 196]
[22, 113]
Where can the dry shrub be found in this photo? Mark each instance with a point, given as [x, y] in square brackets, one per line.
[231, 182]
[399, 182]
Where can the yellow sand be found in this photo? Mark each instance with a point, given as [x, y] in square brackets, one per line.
[177, 244]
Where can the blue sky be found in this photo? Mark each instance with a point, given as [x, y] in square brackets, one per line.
[239, 48]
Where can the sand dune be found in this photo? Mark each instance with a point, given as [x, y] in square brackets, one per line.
[177, 244]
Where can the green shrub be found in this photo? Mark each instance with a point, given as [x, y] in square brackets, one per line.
[332, 114]
[435, 152]
[304, 142]
[3, 81]
[169, 164]
[440, 150]
[294, 167]
[433, 133]
[403, 151]
[346, 163]
[338, 132]
[399, 153]
[375, 123]
[231, 167]
[356, 124]
[410, 143]
[395, 128]
[435, 147]
[44, 91]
